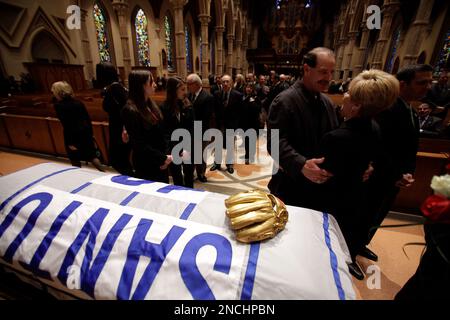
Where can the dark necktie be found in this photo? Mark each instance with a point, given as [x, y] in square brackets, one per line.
[225, 98]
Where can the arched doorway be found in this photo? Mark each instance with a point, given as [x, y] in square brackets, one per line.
[45, 48]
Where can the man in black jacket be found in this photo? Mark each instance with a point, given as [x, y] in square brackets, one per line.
[399, 128]
[228, 107]
[303, 114]
[430, 126]
[203, 104]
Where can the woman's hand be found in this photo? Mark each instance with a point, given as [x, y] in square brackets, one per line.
[167, 162]
[314, 173]
[125, 137]
[185, 155]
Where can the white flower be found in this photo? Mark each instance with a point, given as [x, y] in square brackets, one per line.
[441, 185]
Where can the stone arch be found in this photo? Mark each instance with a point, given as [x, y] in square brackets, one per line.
[45, 47]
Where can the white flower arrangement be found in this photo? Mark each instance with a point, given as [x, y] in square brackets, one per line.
[441, 185]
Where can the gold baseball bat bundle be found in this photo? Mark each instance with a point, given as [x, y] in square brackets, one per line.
[256, 215]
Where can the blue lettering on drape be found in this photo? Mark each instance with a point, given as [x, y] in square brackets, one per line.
[91, 229]
[47, 241]
[190, 273]
[90, 276]
[44, 199]
[157, 254]
[129, 181]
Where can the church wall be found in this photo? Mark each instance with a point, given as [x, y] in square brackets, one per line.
[408, 37]
[115, 41]
[155, 34]
[81, 47]
[165, 7]
[18, 48]
[431, 42]
[195, 40]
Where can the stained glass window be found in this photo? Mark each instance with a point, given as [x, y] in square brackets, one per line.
[393, 51]
[278, 4]
[444, 56]
[187, 41]
[168, 27]
[102, 36]
[143, 51]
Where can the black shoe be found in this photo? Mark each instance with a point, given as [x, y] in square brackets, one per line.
[230, 169]
[356, 271]
[369, 254]
[202, 179]
[247, 161]
[215, 166]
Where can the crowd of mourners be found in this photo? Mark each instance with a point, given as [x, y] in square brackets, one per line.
[140, 131]
[349, 160]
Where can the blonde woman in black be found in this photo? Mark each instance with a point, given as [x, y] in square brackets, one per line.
[77, 127]
[143, 122]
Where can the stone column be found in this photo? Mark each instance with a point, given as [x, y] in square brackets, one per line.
[359, 67]
[180, 49]
[204, 21]
[230, 38]
[238, 56]
[389, 10]
[244, 55]
[89, 67]
[418, 32]
[350, 48]
[121, 9]
[339, 58]
[219, 50]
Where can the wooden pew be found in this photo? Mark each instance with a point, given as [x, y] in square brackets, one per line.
[43, 135]
[409, 200]
[29, 133]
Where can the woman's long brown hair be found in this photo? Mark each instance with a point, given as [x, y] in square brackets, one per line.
[148, 109]
[173, 84]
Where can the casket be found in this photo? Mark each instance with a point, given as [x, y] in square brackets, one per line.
[90, 235]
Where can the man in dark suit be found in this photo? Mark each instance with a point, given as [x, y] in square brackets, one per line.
[399, 128]
[439, 95]
[303, 114]
[217, 86]
[203, 104]
[430, 126]
[228, 107]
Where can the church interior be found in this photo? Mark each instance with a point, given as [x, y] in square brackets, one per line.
[43, 42]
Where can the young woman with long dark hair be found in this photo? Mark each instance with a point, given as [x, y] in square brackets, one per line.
[143, 121]
[178, 114]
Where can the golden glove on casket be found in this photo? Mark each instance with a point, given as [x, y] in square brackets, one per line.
[256, 215]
